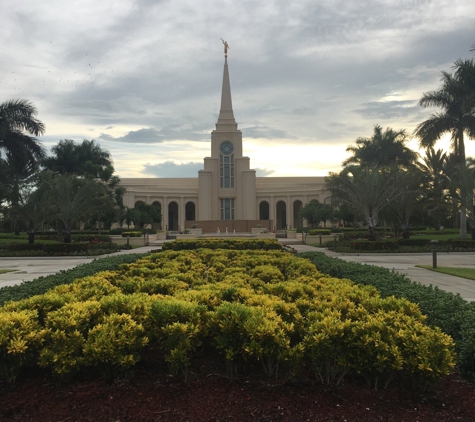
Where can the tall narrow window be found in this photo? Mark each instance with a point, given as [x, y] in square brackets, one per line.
[227, 209]
[226, 165]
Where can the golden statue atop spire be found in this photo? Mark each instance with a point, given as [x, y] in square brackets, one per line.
[226, 47]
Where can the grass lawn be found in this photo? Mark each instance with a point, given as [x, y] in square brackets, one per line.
[459, 272]
[5, 270]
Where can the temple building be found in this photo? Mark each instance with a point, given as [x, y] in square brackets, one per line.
[226, 194]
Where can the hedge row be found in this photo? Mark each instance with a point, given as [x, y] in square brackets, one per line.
[317, 232]
[142, 231]
[238, 244]
[55, 249]
[43, 284]
[77, 237]
[247, 309]
[132, 234]
[450, 312]
[394, 244]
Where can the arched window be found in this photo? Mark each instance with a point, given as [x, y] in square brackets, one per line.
[281, 213]
[264, 210]
[226, 165]
[298, 222]
[190, 211]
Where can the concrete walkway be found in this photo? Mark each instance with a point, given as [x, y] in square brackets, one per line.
[406, 264]
[30, 268]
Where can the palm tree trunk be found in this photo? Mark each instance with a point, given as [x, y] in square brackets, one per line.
[463, 208]
[463, 222]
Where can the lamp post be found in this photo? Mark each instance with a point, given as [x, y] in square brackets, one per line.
[434, 243]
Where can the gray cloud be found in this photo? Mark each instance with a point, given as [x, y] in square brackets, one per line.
[151, 136]
[171, 169]
[388, 109]
[317, 72]
[265, 132]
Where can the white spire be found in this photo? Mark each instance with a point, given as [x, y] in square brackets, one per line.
[226, 121]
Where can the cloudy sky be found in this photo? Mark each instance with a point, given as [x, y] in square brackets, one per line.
[308, 77]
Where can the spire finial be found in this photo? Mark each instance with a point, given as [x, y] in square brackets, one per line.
[226, 47]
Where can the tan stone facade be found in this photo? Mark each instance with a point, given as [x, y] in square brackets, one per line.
[227, 189]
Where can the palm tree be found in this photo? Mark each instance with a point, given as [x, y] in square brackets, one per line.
[383, 148]
[368, 190]
[85, 159]
[463, 188]
[456, 98]
[73, 200]
[404, 206]
[33, 210]
[20, 153]
[16, 117]
[435, 182]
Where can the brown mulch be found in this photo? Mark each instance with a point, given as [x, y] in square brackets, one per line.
[154, 396]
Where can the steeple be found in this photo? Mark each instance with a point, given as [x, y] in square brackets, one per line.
[226, 121]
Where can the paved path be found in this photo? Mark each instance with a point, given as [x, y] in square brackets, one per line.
[31, 268]
[406, 264]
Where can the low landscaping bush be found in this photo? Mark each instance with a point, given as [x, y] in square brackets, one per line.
[317, 232]
[450, 312]
[58, 249]
[238, 244]
[132, 234]
[377, 245]
[245, 309]
[407, 245]
[43, 284]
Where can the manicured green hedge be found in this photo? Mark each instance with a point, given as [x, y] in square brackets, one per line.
[43, 284]
[239, 244]
[45, 249]
[450, 312]
[317, 232]
[83, 237]
[394, 244]
[378, 245]
[132, 234]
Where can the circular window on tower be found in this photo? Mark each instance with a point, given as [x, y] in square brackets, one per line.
[226, 148]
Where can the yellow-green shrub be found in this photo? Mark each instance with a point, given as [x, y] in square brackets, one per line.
[248, 306]
[66, 332]
[114, 345]
[20, 338]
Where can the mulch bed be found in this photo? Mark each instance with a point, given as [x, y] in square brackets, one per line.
[154, 396]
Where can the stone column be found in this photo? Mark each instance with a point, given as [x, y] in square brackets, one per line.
[165, 213]
[289, 220]
[181, 213]
[272, 211]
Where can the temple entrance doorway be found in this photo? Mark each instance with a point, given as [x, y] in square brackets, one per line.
[281, 213]
[173, 216]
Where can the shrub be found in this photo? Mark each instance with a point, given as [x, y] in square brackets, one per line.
[66, 333]
[449, 312]
[114, 345]
[43, 284]
[318, 232]
[378, 245]
[238, 244]
[132, 234]
[20, 338]
[251, 307]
